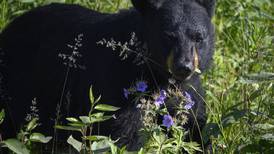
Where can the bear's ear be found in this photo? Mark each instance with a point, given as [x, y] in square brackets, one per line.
[209, 5]
[145, 5]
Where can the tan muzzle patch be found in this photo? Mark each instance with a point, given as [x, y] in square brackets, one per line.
[195, 61]
[170, 62]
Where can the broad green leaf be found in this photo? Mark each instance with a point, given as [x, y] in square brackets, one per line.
[38, 137]
[75, 143]
[85, 119]
[32, 124]
[72, 119]
[97, 115]
[100, 146]
[71, 128]
[105, 107]
[2, 116]
[77, 125]
[16, 146]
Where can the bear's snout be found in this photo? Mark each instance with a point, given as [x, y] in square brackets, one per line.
[183, 67]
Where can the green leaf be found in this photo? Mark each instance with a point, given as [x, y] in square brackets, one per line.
[38, 137]
[75, 143]
[191, 147]
[2, 116]
[71, 128]
[123, 150]
[100, 119]
[98, 99]
[105, 107]
[100, 146]
[269, 137]
[85, 119]
[77, 125]
[95, 138]
[141, 151]
[97, 115]
[32, 124]
[233, 117]
[159, 138]
[95, 118]
[91, 97]
[265, 126]
[16, 146]
[72, 119]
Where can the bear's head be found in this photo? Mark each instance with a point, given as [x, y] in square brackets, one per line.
[179, 33]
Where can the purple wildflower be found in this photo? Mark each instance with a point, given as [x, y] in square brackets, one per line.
[189, 102]
[141, 86]
[168, 121]
[126, 93]
[163, 93]
[161, 99]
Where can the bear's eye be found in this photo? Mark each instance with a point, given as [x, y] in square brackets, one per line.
[195, 36]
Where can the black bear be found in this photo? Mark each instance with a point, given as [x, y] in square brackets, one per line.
[32, 68]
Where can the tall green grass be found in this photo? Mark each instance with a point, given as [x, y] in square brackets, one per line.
[240, 90]
[240, 84]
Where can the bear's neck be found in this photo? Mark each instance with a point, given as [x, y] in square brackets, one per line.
[121, 25]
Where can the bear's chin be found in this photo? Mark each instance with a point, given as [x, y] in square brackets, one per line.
[181, 77]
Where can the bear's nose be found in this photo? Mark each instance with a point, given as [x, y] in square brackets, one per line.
[185, 69]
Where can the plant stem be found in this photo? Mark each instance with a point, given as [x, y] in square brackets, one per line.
[55, 136]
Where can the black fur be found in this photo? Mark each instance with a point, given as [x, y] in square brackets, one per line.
[32, 42]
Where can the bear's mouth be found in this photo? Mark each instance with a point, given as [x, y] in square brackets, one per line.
[179, 75]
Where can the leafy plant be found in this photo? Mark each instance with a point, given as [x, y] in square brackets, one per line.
[26, 139]
[84, 125]
[166, 136]
[240, 85]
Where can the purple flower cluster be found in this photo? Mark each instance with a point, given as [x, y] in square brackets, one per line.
[141, 86]
[161, 99]
[189, 102]
[167, 121]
